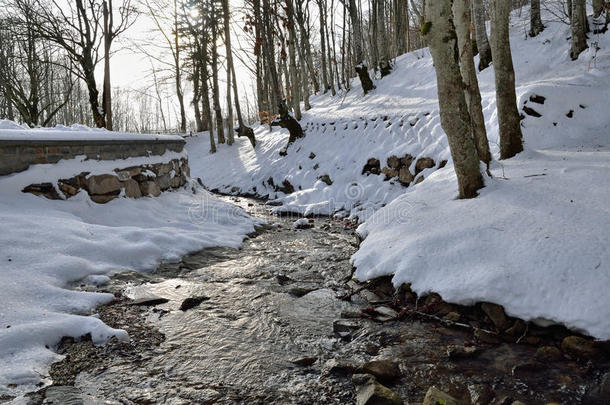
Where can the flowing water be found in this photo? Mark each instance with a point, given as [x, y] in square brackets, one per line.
[268, 304]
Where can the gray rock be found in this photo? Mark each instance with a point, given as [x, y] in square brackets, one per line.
[164, 182]
[337, 367]
[150, 188]
[384, 370]
[496, 314]
[103, 199]
[103, 184]
[435, 396]
[345, 327]
[371, 392]
[304, 361]
[163, 168]
[132, 189]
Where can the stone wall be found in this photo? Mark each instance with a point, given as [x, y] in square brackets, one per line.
[18, 155]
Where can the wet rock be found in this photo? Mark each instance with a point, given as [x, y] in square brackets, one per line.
[579, 347]
[518, 329]
[604, 386]
[435, 396]
[150, 188]
[486, 337]
[423, 163]
[132, 189]
[386, 313]
[461, 352]
[103, 184]
[548, 354]
[300, 291]
[371, 392]
[372, 166]
[325, 178]
[384, 370]
[452, 317]
[64, 395]
[337, 367]
[192, 302]
[344, 327]
[304, 361]
[503, 400]
[496, 314]
[149, 301]
[283, 280]
[527, 369]
[481, 394]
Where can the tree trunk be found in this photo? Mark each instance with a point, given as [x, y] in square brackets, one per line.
[579, 38]
[321, 6]
[294, 74]
[359, 62]
[179, 92]
[485, 53]
[227, 28]
[215, 87]
[106, 94]
[511, 138]
[461, 11]
[384, 58]
[455, 120]
[598, 8]
[536, 26]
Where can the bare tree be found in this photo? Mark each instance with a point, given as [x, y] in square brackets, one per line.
[579, 24]
[536, 26]
[485, 54]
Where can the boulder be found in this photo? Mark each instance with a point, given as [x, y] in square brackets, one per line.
[132, 189]
[435, 396]
[150, 188]
[176, 182]
[406, 160]
[423, 163]
[163, 181]
[394, 162]
[371, 392]
[192, 302]
[43, 189]
[384, 370]
[579, 347]
[481, 394]
[496, 314]
[372, 166]
[337, 367]
[404, 176]
[325, 178]
[103, 184]
[69, 187]
[162, 168]
[103, 198]
[304, 361]
[548, 354]
[518, 329]
[389, 173]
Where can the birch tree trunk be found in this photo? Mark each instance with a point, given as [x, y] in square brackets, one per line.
[536, 26]
[579, 38]
[455, 119]
[485, 54]
[511, 138]
[461, 11]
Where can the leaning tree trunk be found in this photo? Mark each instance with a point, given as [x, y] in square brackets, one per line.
[579, 38]
[461, 11]
[481, 34]
[359, 62]
[511, 138]
[536, 26]
[455, 120]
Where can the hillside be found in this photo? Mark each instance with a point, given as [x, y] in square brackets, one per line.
[534, 241]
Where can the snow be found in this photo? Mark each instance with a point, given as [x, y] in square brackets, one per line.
[535, 240]
[48, 246]
[11, 131]
[300, 223]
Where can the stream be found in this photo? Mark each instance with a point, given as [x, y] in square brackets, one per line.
[271, 328]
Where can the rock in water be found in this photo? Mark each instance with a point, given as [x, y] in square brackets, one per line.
[496, 314]
[149, 301]
[435, 396]
[371, 392]
[384, 370]
[579, 347]
[192, 302]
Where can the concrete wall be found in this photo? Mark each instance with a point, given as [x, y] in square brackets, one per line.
[17, 156]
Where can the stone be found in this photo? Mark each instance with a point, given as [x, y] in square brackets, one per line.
[404, 176]
[371, 392]
[496, 314]
[149, 301]
[579, 347]
[419, 180]
[435, 396]
[300, 291]
[548, 354]
[394, 162]
[604, 386]
[46, 190]
[517, 403]
[175, 182]
[104, 198]
[304, 361]
[386, 313]
[481, 394]
[486, 337]
[163, 181]
[461, 352]
[389, 173]
[406, 160]
[518, 329]
[452, 317]
[192, 302]
[161, 169]
[325, 178]
[372, 166]
[132, 189]
[337, 367]
[345, 327]
[149, 187]
[103, 184]
[424, 163]
[504, 400]
[312, 155]
[69, 189]
[384, 370]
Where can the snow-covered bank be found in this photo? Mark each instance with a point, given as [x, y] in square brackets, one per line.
[535, 241]
[48, 244]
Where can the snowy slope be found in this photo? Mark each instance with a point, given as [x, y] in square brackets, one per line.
[536, 239]
[47, 244]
